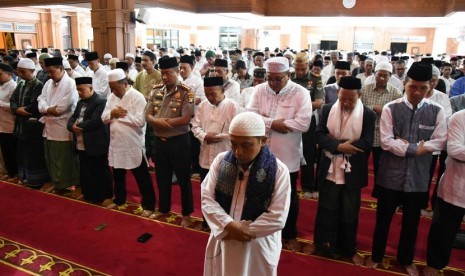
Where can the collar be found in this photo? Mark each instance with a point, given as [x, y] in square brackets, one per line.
[420, 104]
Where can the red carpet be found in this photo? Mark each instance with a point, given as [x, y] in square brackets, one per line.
[57, 226]
[64, 228]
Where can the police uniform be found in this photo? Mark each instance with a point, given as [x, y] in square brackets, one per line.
[172, 146]
[314, 85]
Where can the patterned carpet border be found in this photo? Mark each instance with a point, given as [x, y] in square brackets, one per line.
[389, 263]
[37, 262]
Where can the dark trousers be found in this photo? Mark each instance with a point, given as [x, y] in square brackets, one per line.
[144, 182]
[376, 155]
[307, 172]
[8, 144]
[95, 176]
[336, 221]
[195, 153]
[290, 229]
[173, 154]
[442, 167]
[388, 200]
[446, 223]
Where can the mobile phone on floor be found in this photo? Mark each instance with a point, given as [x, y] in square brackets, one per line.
[100, 227]
[144, 237]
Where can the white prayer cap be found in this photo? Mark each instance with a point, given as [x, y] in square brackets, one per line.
[383, 65]
[379, 59]
[116, 75]
[26, 63]
[436, 72]
[176, 54]
[277, 65]
[28, 47]
[288, 53]
[130, 55]
[370, 60]
[107, 56]
[66, 64]
[247, 124]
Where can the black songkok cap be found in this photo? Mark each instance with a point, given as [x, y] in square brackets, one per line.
[232, 52]
[44, 50]
[6, 67]
[221, 63]
[428, 60]
[14, 65]
[54, 61]
[351, 83]
[267, 49]
[167, 63]
[73, 57]
[318, 63]
[259, 54]
[187, 59]
[438, 63]
[91, 56]
[138, 60]
[212, 81]
[197, 53]
[123, 65]
[394, 58]
[150, 54]
[405, 58]
[31, 55]
[240, 64]
[327, 58]
[259, 73]
[420, 71]
[83, 80]
[344, 65]
[363, 58]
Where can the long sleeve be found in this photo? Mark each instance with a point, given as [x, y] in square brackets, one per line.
[106, 114]
[254, 106]
[42, 99]
[74, 117]
[275, 219]
[68, 101]
[458, 88]
[439, 137]
[303, 117]
[456, 139]
[196, 122]
[215, 215]
[387, 139]
[136, 111]
[322, 137]
[95, 121]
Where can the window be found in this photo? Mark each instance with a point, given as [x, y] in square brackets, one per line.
[163, 38]
[65, 28]
[230, 37]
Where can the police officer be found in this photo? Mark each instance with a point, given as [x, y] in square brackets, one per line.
[169, 110]
[314, 84]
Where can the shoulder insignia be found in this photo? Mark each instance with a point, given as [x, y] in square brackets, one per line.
[158, 86]
[185, 86]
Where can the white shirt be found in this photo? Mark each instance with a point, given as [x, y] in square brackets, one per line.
[293, 104]
[80, 70]
[449, 83]
[100, 81]
[75, 75]
[452, 184]
[133, 74]
[259, 256]
[127, 134]
[196, 84]
[246, 95]
[213, 119]
[232, 90]
[7, 119]
[199, 64]
[392, 81]
[64, 96]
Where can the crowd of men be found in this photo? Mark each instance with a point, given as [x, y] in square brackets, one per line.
[247, 123]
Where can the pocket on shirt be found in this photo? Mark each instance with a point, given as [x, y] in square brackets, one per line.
[425, 132]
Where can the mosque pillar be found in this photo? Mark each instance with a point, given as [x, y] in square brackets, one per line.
[114, 31]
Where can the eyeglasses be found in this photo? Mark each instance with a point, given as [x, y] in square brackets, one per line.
[275, 80]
